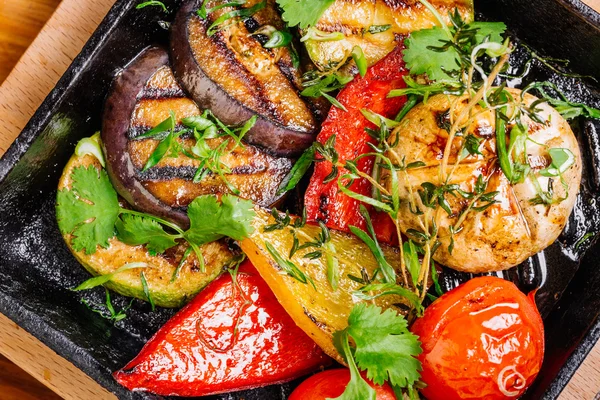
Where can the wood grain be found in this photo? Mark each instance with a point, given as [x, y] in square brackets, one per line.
[21, 22]
[16, 384]
[45, 365]
[30, 81]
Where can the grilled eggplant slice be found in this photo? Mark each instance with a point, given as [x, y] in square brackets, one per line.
[376, 26]
[164, 293]
[232, 74]
[143, 95]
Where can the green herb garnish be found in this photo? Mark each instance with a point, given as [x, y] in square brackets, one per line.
[89, 210]
[102, 279]
[383, 347]
[147, 290]
[152, 3]
[303, 13]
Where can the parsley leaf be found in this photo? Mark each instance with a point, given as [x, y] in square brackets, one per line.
[303, 13]
[89, 210]
[384, 348]
[210, 221]
[136, 230]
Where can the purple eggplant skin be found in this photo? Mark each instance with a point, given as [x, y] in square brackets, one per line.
[267, 133]
[118, 110]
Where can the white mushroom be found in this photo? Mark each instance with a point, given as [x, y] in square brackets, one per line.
[512, 229]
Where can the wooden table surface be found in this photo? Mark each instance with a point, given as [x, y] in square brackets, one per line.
[22, 92]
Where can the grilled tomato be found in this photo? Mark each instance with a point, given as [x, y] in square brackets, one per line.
[331, 384]
[482, 340]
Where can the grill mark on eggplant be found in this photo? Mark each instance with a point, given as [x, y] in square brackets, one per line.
[187, 172]
[138, 130]
[238, 70]
[286, 67]
[268, 107]
[158, 93]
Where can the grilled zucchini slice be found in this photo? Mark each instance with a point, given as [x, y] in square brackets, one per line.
[376, 26]
[158, 276]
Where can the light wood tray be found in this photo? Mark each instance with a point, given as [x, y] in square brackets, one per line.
[21, 94]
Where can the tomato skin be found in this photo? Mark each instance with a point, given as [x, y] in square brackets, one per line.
[325, 202]
[198, 353]
[476, 335]
[331, 384]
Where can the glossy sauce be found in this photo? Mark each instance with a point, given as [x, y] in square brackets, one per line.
[233, 335]
[483, 340]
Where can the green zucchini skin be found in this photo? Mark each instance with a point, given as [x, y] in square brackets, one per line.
[354, 18]
[164, 293]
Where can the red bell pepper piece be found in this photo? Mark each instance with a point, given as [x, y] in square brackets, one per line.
[232, 336]
[324, 202]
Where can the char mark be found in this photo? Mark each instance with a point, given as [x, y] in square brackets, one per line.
[187, 172]
[136, 131]
[158, 93]
[314, 319]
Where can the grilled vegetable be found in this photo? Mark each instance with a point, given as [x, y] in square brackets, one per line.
[232, 336]
[302, 283]
[484, 339]
[224, 67]
[158, 270]
[501, 229]
[375, 26]
[144, 95]
[324, 201]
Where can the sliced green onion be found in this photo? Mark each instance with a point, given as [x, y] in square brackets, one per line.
[318, 35]
[359, 58]
[562, 160]
[278, 39]
[92, 147]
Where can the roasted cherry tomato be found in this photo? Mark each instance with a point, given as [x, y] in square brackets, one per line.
[331, 384]
[482, 340]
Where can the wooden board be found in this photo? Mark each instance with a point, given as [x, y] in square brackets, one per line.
[20, 95]
[21, 22]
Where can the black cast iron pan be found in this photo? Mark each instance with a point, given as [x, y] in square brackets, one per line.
[37, 270]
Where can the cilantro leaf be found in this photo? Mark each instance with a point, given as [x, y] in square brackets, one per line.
[303, 13]
[428, 51]
[384, 348]
[135, 230]
[357, 388]
[89, 210]
[494, 30]
[420, 59]
[210, 221]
